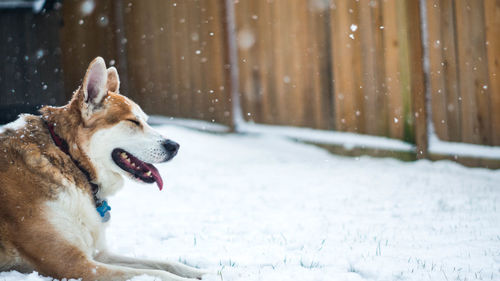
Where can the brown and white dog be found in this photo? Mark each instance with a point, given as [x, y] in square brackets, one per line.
[57, 169]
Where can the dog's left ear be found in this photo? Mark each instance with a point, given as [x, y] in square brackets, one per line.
[95, 85]
[113, 80]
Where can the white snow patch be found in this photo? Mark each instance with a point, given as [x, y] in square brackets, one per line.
[328, 137]
[438, 146]
[188, 123]
[14, 125]
[261, 207]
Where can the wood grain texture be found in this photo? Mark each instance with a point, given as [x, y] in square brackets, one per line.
[342, 65]
[492, 22]
[476, 120]
[418, 111]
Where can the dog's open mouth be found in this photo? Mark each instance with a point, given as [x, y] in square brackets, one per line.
[139, 169]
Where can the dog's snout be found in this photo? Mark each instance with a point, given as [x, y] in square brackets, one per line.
[171, 146]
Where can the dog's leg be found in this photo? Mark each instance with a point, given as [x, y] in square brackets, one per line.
[51, 255]
[172, 267]
[72, 263]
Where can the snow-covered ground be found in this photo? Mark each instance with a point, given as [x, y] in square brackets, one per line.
[250, 207]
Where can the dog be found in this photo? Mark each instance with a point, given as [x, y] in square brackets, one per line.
[58, 168]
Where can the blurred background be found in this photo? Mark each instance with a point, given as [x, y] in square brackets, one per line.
[414, 71]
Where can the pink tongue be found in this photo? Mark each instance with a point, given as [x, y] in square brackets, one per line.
[156, 175]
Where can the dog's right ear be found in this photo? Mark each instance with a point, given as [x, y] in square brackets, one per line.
[94, 86]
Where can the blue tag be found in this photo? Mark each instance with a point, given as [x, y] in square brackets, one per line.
[103, 210]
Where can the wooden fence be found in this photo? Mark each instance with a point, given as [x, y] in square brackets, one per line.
[172, 55]
[340, 65]
[464, 54]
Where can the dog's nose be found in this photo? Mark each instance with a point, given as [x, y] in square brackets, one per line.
[172, 147]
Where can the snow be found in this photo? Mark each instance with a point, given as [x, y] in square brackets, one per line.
[348, 140]
[262, 207]
[438, 146]
[14, 125]
[189, 123]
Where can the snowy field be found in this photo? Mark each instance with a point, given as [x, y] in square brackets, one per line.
[264, 208]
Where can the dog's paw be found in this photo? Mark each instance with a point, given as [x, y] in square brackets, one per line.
[196, 273]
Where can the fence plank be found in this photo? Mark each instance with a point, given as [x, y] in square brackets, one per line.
[403, 118]
[297, 74]
[345, 66]
[375, 105]
[393, 70]
[264, 42]
[476, 125]
[450, 61]
[418, 112]
[492, 22]
[280, 51]
[437, 68]
[318, 58]
[246, 36]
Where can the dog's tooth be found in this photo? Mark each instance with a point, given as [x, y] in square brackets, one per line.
[128, 160]
[123, 155]
[133, 164]
[148, 173]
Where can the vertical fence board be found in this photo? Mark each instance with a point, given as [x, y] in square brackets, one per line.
[318, 62]
[418, 111]
[402, 118]
[393, 56]
[476, 124]
[266, 62]
[370, 29]
[216, 56]
[449, 52]
[492, 22]
[445, 90]
[246, 36]
[452, 89]
[437, 68]
[280, 48]
[345, 67]
[295, 100]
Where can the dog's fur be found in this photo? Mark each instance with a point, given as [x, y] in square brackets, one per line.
[48, 217]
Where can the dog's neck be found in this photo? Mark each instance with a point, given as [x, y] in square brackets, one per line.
[101, 205]
[69, 117]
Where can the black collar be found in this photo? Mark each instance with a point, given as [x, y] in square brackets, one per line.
[63, 145]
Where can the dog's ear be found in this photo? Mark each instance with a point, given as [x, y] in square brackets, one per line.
[113, 80]
[95, 83]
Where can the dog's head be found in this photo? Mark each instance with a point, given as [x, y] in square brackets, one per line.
[114, 135]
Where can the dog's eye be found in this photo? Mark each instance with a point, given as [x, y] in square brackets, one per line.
[134, 121]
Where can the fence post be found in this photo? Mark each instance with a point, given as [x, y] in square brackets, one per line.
[232, 58]
[417, 78]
